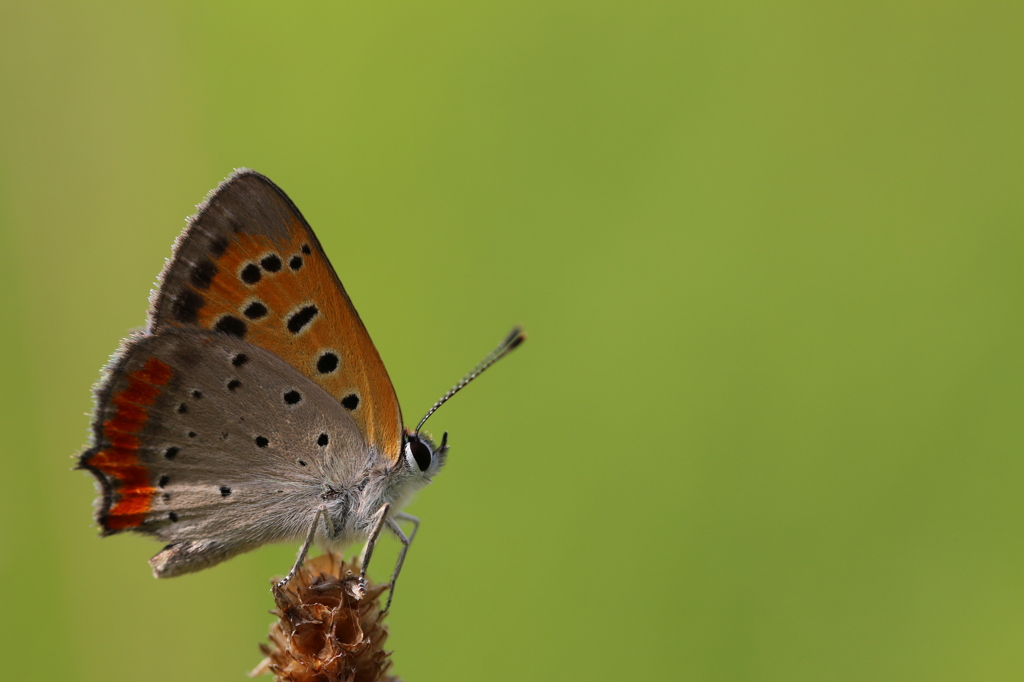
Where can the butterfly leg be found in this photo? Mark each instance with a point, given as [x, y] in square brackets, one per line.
[364, 560]
[327, 521]
[321, 510]
[406, 541]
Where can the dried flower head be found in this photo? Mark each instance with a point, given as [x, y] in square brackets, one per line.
[325, 632]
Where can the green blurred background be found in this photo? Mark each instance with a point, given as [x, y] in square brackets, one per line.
[768, 425]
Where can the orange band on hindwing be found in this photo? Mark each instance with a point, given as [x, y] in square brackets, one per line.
[119, 461]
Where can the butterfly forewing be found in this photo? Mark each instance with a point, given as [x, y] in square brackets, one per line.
[249, 266]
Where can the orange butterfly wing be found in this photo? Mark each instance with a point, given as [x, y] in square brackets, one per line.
[249, 265]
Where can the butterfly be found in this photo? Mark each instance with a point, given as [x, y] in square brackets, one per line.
[254, 408]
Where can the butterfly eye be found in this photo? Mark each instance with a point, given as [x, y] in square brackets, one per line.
[421, 453]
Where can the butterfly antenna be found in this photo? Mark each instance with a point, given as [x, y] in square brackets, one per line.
[511, 342]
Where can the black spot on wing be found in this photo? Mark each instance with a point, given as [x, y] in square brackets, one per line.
[305, 249]
[186, 305]
[292, 397]
[218, 245]
[327, 363]
[182, 409]
[351, 401]
[271, 263]
[298, 321]
[255, 310]
[172, 516]
[322, 440]
[171, 453]
[203, 273]
[295, 263]
[251, 274]
[233, 384]
[164, 480]
[229, 324]
[239, 359]
[225, 491]
[197, 394]
[262, 442]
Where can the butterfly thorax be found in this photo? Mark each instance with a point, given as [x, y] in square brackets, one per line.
[353, 507]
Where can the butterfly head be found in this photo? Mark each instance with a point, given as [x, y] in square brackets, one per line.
[422, 457]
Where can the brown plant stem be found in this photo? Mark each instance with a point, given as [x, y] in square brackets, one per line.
[325, 631]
